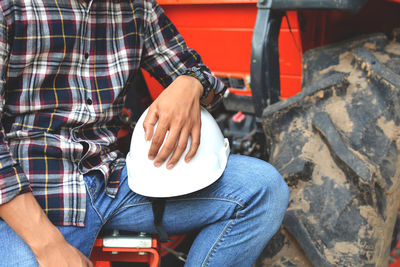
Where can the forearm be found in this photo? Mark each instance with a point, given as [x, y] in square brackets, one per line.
[24, 215]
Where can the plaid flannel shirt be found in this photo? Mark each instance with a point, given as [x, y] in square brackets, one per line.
[64, 69]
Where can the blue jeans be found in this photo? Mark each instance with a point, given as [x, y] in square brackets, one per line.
[237, 215]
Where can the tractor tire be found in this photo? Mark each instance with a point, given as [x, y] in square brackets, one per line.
[337, 146]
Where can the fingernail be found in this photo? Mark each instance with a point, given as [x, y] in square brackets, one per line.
[188, 159]
[157, 164]
[151, 157]
[170, 166]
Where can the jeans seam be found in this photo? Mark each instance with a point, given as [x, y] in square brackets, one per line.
[97, 233]
[208, 198]
[216, 243]
[226, 229]
[95, 190]
[93, 205]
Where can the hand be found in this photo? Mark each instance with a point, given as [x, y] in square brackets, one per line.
[177, 110]
[61, 254]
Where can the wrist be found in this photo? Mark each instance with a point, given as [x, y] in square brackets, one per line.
[50, 236]
[199, 75]
[193, 83]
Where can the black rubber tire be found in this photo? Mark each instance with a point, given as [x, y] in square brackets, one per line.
[337, 146]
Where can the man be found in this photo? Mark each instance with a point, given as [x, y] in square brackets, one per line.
[64, 69]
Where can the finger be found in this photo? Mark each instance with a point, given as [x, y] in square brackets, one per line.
[168, 146]
[88, 262]
[158, 139]
[180, 148]
[194, 145]
[84, 260]
[149, 122]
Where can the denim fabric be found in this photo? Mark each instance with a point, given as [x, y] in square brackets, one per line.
[237, 216]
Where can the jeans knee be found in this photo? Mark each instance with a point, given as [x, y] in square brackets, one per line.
[269, 199]
[278, 188]
[262, 187]
[271, 183]
[272, 192]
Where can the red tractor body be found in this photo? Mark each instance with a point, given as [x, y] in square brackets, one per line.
[221, 31]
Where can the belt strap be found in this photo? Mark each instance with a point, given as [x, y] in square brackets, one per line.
[158, 205]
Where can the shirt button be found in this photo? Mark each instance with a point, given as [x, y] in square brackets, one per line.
[89, 101]
[86, 55]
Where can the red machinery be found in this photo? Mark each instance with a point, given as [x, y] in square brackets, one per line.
[132, 248]
[221, 31]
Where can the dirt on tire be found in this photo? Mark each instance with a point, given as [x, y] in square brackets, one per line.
[337, 146]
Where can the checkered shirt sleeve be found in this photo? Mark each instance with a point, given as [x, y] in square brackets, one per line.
[12, 179]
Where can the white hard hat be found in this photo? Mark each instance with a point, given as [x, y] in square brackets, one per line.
[204, 168]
